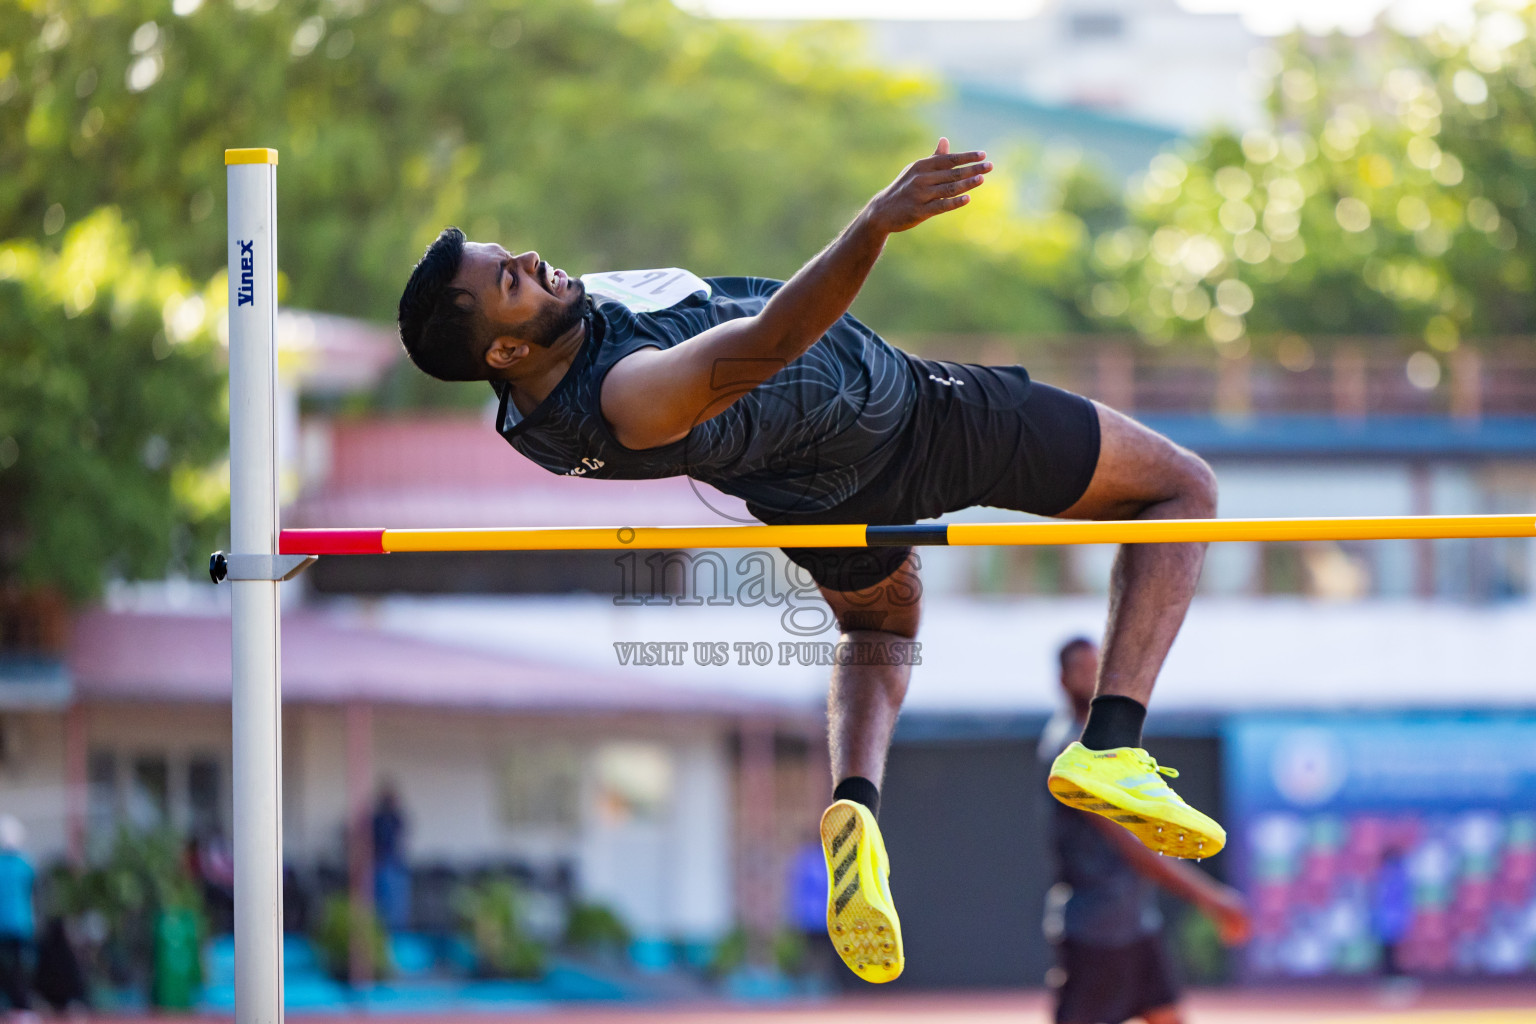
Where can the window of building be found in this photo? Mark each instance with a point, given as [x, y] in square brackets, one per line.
[147, 790]
[634, 781]
[1507, 563]
[1093, 26]
[541, 786]
[204, 797]
[1024, 569]
[101, 806]
[1322, 569]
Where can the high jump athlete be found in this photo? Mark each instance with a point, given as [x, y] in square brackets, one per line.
[771, 392]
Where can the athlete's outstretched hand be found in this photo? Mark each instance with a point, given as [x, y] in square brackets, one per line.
[933, 185]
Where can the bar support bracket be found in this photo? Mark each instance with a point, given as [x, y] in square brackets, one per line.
[276, 568]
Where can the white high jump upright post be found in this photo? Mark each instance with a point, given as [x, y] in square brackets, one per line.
[257, 696]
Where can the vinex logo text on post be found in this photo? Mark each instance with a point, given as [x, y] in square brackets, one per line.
[247, 292]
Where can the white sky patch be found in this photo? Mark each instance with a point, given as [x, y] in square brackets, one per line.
[862, 10]
[1266, 17]
[1355, 17]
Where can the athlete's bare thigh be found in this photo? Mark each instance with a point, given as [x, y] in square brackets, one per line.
[1138, 467]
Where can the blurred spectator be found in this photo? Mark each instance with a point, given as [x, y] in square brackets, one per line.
[391, 878]
[298, 897]
[1391, 909]
[1112, 960]
[59, 978]
[212, 865]
[18, 918]
[806, 912]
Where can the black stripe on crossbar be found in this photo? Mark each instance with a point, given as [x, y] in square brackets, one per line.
[926, 534]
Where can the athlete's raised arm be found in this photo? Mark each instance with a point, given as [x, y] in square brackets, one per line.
[655, 396]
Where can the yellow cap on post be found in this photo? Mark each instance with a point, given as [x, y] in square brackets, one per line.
[250, 156]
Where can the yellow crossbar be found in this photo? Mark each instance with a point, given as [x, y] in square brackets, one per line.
[603, 538]
[1137, 531]
[1149, 531]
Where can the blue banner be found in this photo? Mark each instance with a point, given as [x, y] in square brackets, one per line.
[1347, 762]
[1385, 843]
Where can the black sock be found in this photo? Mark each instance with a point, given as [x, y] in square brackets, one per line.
[861, 791]
[1114, 721]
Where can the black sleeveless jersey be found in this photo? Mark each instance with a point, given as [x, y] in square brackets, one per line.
[804, 440]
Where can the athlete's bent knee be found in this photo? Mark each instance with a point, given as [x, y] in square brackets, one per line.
[894, 605]
[1200, 489]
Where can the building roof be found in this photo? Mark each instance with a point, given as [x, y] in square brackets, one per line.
[186, 658]
[446, 471]
[327, 354]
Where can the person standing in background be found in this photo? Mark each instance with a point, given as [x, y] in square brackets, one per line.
[1392, 911]
[391, 878]
[1112, 960]
[806, 912]
[18, 918]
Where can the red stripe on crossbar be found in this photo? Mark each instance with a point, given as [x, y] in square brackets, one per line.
[331, 542]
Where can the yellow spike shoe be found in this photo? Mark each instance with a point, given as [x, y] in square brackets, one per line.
[861, 918]
[1126, 786]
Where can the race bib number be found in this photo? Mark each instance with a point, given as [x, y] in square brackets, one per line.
[646, 291]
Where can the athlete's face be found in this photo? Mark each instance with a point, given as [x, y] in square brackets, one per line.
[1081, 674]
[524, 297]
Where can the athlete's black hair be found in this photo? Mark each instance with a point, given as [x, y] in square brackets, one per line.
[1070, 648]
[441, 325]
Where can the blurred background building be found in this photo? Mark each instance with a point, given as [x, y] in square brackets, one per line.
[1306, 259]
[494, 692]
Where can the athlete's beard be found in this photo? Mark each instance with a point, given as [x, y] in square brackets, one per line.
[550, 324]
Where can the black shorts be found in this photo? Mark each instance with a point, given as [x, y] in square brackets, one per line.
[1110, 984]
[979, 435]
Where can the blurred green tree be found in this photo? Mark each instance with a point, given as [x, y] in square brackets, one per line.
[606, 134]
[1388, 198]
[609, 133]
[111, 413]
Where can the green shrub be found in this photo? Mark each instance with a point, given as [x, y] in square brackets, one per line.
[790, 951]
[595, 928]
[340, 918]
[491, 910]
[142, 877]
[730, 952]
